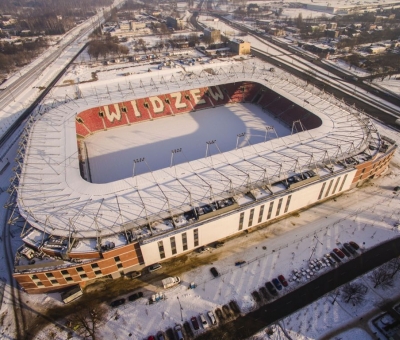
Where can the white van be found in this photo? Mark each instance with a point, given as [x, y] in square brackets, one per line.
[204, 321]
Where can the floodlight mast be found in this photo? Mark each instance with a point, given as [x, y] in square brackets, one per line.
[238, 137]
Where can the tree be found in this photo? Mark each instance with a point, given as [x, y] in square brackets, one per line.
[394, 266]
[381, 277]
[354, 293]
[87, 320]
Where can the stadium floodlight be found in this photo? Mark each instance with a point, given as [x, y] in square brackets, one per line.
[136, 161]
[238, 136]
[173, 152]
[208, 144]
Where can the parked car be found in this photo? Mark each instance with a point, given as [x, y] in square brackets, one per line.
[178, 331]
[282, 279]
[277, 284]
[335, 257]
[212, 317]
[354, 245]
[204, 321]
[160, 336]
[214, 272]
[133, 275]
[151, 337]
[330, 260]
[344, 251]
[338, 253]
[188, 329]
[117, 303]
[397, 188]
[135, 296]
[218, 244]
[349, 248]
[203, 249]
[271, 288]
[239, 263]
[154, 267]
[195, 324]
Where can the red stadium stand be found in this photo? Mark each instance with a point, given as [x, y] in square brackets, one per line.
[139, 110]
[114, 115]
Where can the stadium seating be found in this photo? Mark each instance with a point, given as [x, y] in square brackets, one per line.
[139, 110]
[114, 115]
[92, 119]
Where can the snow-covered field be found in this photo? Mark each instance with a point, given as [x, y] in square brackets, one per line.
[155, 139]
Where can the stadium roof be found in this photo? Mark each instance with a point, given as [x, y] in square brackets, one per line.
[53, 196]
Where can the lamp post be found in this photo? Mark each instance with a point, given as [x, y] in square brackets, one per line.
[180, 308]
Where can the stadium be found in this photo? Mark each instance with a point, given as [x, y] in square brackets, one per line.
[132, 173]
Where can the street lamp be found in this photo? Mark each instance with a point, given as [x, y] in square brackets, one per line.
[180, 307]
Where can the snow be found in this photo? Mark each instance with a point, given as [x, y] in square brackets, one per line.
[347, 217]
[154, 140]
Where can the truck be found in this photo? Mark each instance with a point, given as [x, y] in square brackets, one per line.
[171, 281]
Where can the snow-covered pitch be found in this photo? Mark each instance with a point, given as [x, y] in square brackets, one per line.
[54, 198]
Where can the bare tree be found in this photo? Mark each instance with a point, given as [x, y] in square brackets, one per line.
[394, 266]
[381, 277]
[86, 320]
[354, 293]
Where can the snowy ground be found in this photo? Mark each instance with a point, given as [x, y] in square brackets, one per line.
[154, 140]
[366, 215]
[391, 84]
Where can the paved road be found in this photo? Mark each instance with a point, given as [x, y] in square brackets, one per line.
[247, 325]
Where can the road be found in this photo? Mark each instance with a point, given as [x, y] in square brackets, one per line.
[247, 325]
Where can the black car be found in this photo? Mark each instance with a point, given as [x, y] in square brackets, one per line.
[271, 288]
[354, 245]
[135, 296]
[344, 251]
[117, 303]
[335, 257]
[218, 244]
[214, 272]
[349, 248]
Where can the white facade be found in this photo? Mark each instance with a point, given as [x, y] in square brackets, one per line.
[228, 224]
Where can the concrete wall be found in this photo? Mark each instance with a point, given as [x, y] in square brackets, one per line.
[228, 224]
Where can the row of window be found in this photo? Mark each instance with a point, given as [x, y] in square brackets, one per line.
[261, 212]
[173, 243]
[67, 276]
[323, 194]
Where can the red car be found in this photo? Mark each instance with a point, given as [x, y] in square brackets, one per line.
[151, 338]
[195, 323]
[283, 280]
[338, 253]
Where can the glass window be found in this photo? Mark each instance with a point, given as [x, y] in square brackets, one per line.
[161, 249]
[173, 245]
[341, 185]
[196, 237]
[251, 217]
[184, 241]
[329, 188]
[278, 209]
[322, 191]
[271, 206]
[260, 215]
[241, 219]
[287, 204]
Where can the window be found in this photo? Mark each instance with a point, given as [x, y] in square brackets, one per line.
[117, 259]
[95, 265]
[336, 184]
[287, 204]
[322, 191]
[97, 272]
[251, 217]
[173, 245]
[34, 277]
[278, 209]
[329, 188]
[119, 265]
[69, 279]
[49, 275]
[79, 269]
[271, 206]
[39, 284]
[64, 272]
[196, 237]
[260, 215]
[341, 185]
[84, 276]
[161, 249]
[101, 114]
[54, 282]
[124, 109]
[184, 241]
[241, 221]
